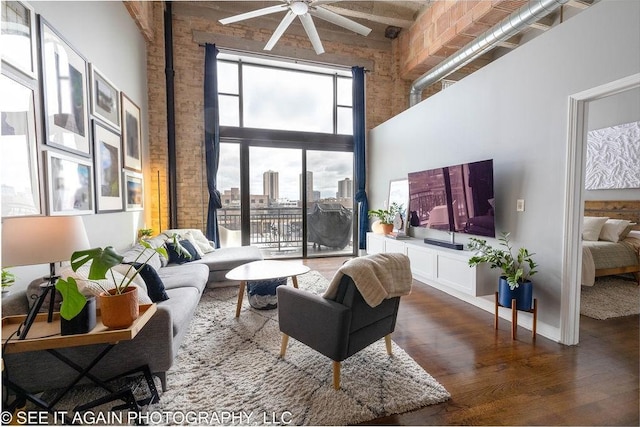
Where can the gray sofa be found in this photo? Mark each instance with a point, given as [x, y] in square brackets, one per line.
[157, 343]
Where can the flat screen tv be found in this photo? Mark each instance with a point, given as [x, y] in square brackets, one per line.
[455, 198]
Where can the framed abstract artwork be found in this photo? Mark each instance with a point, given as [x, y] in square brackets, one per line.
[108, 166]
[134, 190]
[69, 184]
[64, 85]
[105, 99]
[131, 135]
[18, 149]
[18, 36]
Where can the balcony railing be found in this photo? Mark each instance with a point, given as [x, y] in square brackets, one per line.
[278, 229]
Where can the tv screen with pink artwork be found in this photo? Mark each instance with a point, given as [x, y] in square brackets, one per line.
[456, 198]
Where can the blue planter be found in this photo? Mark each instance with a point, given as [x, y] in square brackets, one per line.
[523, 294]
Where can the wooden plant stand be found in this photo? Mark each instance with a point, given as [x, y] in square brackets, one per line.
[514, 317]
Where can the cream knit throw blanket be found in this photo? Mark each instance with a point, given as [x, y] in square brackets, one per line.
[377, 277]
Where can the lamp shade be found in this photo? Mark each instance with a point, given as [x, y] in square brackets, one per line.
[41, 239]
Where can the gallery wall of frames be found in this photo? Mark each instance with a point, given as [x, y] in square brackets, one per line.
[70, 141]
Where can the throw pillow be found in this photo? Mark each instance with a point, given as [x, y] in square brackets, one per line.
[133, 255]
[155, 286]
[94, 287]
[190, 237]
[627, 230]
[177, 257]
[591, 227]
[202, 241]
[612, 229]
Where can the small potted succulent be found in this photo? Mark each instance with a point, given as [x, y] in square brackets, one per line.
[387, 216]
[515, 282]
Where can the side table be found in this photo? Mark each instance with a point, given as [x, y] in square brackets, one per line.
[514, 317]
[45, 336]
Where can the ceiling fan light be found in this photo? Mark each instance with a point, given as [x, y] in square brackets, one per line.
[299, 7]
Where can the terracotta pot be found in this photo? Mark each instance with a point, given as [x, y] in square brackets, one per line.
[119, 311]
[387, 228]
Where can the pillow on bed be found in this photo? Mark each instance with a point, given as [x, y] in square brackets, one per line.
[592, 226]
[612, 229]
[627, 230]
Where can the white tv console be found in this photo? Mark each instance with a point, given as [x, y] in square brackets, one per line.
[443, 267]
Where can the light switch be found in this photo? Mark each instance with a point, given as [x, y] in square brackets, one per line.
[520, 205]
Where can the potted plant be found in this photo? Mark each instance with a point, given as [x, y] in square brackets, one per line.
[387, 216]
[8, 279]
[516, 270]
[118, 305]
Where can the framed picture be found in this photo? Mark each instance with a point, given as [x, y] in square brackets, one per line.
[18, 36]
[64, 81]
[131, 135]
[105, 99]
[134, 190]
[108, 164]
[18, 150]
[69, 184]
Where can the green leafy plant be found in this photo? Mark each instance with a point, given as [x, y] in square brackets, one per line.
[517, 269]
[102, 263]
[143, 233]
[386, 216]
[8, 278]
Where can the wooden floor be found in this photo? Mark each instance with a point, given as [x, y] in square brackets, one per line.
[496, 381]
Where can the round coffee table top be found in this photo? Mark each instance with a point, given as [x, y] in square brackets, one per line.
[267, 269]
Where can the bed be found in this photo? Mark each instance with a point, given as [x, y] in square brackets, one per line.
[602, 253]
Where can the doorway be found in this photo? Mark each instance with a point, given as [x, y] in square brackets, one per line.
[574, 202]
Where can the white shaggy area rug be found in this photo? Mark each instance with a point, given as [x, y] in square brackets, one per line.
[231, 367]
[610, 296]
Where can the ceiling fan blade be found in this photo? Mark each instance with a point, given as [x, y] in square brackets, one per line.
[339, 20]
[312, 32]
[254, 14]
[284, 24]
[319, 2]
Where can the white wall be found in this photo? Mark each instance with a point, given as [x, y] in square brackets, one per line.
[515, 111]
[106, 35]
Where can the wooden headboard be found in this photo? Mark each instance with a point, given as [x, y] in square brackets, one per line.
[618, 209]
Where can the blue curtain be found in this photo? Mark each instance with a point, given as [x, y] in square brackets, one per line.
[212, 139]
[360, 171]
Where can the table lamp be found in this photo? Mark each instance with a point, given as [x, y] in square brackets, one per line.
[40, 240]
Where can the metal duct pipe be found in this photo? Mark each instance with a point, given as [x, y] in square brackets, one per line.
[503, 30]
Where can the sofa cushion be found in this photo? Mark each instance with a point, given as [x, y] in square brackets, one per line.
[153, 282]
[182, 303]
[184, 275]
[228, 258]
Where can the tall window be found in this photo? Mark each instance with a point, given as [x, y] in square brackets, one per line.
[286, 158]
[268, 94]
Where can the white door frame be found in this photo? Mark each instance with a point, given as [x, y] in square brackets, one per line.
[574, 202]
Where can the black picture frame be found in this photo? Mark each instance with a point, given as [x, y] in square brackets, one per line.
[134, 190]
[65, 96]
[105, 98]
[18, 37]
[131, 134]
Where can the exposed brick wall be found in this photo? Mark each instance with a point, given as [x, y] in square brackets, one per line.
[444, 28]
[386, 96]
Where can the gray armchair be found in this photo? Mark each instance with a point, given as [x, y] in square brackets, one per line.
[336, 328]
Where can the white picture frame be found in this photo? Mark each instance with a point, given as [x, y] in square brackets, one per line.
[105, 98]
[108, 167]
[69, 184]
[18, 37]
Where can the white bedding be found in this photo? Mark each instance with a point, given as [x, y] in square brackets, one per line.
[588, 265]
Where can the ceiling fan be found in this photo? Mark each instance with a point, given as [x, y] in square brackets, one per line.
[303, 9]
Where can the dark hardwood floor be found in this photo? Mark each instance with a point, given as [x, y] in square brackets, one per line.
[496, 381]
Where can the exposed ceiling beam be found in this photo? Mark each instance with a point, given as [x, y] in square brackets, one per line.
[580, 4]
[545, 23]
[511, 43]
[388, 20]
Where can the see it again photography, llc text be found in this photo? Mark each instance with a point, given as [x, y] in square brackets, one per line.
[149, 418]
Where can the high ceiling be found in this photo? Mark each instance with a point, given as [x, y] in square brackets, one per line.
[388, 18]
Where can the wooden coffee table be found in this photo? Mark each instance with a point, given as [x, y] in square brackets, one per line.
[264, 270]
